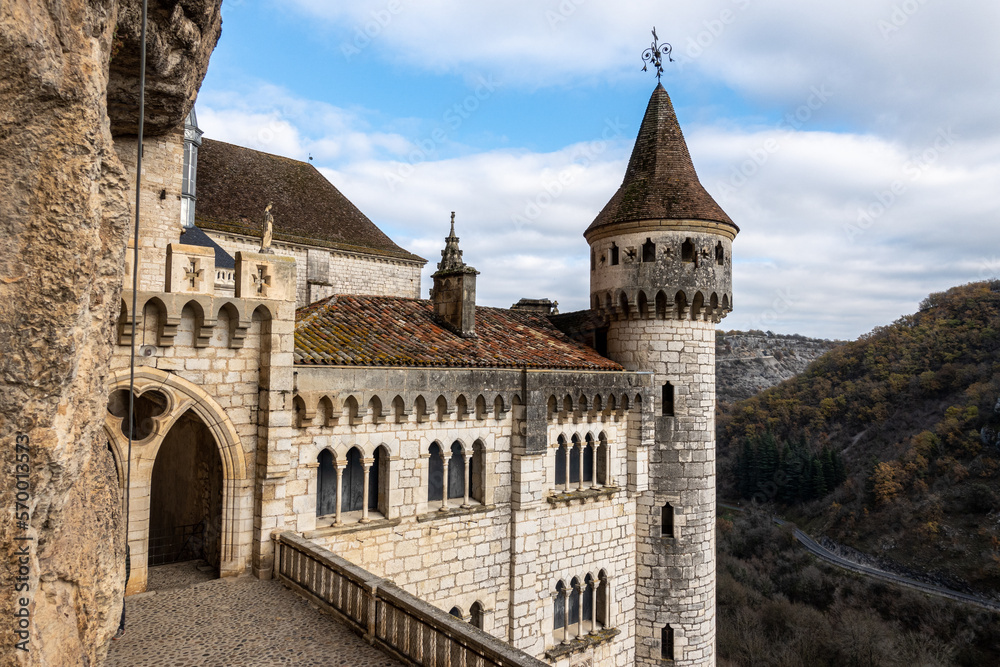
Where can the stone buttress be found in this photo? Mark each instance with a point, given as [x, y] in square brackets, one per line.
[661, 276]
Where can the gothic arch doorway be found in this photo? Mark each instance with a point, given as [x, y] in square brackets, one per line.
[181, 407]
[185, 503]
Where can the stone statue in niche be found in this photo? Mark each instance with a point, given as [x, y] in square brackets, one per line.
[267, 230]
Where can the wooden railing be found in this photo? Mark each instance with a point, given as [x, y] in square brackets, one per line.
[385, 615]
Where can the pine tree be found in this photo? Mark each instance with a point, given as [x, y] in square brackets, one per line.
[829, 472]
[818, 482]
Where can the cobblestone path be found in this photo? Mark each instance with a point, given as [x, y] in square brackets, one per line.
[240, 622]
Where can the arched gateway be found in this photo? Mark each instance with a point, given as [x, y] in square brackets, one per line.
[189, 490]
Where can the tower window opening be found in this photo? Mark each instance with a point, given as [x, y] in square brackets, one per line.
[649, 251]
[720, 254]
[667, 520]
[593, 260]
[687, 251]
[614, 254]
[668, 400]
[667, 643]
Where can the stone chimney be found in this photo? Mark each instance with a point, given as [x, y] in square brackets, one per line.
[454, 292]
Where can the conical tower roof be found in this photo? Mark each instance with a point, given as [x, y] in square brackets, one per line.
[660, 182]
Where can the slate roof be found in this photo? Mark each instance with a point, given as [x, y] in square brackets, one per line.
[235, 184]
[194, 236]
[393, 331]
[660, 181]
[578, 322]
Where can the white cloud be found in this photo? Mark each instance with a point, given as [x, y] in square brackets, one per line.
[841, 230]
[895, 65]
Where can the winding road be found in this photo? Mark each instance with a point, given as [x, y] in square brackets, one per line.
[822, 552]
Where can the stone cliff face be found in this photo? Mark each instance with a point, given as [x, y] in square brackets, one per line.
[64, 218]
[749, 362]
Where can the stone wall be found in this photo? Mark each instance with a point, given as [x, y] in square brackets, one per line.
[160, 202]
[676, 574]
[226, 362]
[346, 272]
[506, 553]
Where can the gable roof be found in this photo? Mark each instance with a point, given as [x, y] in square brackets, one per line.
[660, 182]
[235, 184]
[393, 331]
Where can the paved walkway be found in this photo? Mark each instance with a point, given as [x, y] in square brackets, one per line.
[241, 622]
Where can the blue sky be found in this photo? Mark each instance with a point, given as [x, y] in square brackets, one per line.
[855, 143]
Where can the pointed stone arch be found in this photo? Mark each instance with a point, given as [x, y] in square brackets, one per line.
[182, 397]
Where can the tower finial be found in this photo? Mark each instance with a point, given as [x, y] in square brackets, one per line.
[653, 54]
[452, 223]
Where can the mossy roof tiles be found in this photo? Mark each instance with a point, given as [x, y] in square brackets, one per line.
[393, 331]
[660, 182]
[235, 184]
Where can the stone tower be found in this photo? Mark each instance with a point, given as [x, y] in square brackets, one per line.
[661, 275]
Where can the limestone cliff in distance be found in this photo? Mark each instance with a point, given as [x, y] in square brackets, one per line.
[747, 362]
[64, 218]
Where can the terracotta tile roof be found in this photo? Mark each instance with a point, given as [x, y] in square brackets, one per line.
[236, 183]
[660, 181]
[393, 331]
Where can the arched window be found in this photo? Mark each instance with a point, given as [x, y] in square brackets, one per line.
[326, 493]
[353, 484]
[552, 408]
[561, 461]
[589, 593]
[480, 408]
[435, 483]
[667, 521]
[602, 612]
[667, 643]
[559, 609]
[687, 251]
[478, 472]
[614, 254]
[378, 482]
[667, 401]
[720, 254]
[603, 461]
[477, 615]
[588, 460]
[456, 472]
[649, 251]
[574, 461]
[574, 603]
[461, 408]
[456, 612]
[420, 409]
[442, 408]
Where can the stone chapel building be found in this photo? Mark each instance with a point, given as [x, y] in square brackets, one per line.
[548, 478]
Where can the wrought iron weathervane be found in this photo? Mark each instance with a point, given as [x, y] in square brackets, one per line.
[653, 55]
